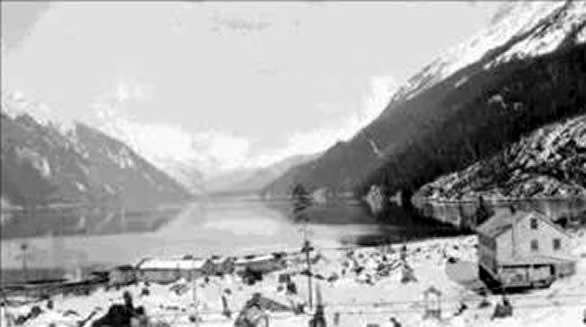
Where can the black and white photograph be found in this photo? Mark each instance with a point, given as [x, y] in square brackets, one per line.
[321, 163]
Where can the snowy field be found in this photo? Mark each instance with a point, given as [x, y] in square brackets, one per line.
[358, 287]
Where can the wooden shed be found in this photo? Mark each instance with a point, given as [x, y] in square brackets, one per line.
[122, 275]
[169, 270]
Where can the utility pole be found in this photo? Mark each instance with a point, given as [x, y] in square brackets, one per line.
[24, 247]
[307, 249]
[194, 291]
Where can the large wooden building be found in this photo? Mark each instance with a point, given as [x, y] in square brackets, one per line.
[522, 249]
[169, 270]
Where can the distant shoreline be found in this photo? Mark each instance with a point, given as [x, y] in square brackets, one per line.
[493, 200]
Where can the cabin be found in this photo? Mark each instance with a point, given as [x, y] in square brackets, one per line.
[121, 275]
[261, 264]
[222, 265]
[522, 249]
[169, 270]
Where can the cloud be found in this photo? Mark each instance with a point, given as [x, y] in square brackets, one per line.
[240, 24]
[166, 145]
[130, 91]
[210, 152]
[215, 152]
[175, 90]
[18, 18]
[317, 140]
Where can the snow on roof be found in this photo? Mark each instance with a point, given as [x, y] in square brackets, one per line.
[498, 223]
[183, 264]
[251, 259]
[502, 220]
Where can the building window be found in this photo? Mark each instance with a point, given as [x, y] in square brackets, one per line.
[534, 245]
[557, 244]
[533, 223]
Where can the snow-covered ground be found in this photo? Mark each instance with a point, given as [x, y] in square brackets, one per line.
[370, 294]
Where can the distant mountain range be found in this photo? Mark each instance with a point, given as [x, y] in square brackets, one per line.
[255, 179]
[548, 163]
[525, 70]
[45, 163]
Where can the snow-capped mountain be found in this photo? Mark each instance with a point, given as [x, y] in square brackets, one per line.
[532, 28]
[168, 148]
[524, 70]
[44, 162]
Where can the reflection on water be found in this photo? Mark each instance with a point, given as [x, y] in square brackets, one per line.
[68, 241]
[465, 213]
[75, 220]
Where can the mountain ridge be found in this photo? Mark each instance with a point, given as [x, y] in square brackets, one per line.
[47, 164]
[436, 124]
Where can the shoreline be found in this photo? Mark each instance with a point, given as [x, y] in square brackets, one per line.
[364, 294]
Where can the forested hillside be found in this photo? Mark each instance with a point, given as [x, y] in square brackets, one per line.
[524, 71]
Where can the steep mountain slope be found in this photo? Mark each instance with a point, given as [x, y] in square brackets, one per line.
[165, 149]
[550, 162]
[525, 70]
[44, 163]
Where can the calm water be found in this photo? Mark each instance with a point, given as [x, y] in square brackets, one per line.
[228, 226]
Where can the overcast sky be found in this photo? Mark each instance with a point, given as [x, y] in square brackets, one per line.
[229, 83]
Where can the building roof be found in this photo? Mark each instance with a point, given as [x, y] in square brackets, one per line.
[503, 219]
[183, 264]
[123, 268]
[219, 260]
[251, 259]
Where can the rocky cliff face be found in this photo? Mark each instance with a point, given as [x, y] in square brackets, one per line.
[550, 162]
[44, 163]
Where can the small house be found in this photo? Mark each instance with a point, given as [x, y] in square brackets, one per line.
[222, 265]
[169, 270]
[522, 249]
[121, 275]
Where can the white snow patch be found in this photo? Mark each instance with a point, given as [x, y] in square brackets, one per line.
[375, 148]
[461, 82]
[543, 41]
[581, 36]
[109, 189]
[39, 162]
[516, 19]
[80, 187]
[14, 104]
[122, 158]
[358, 302]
